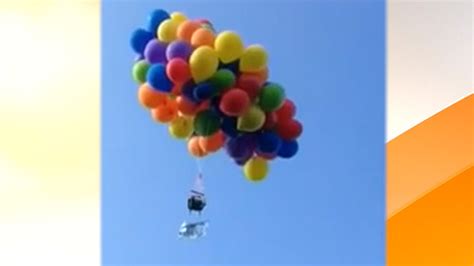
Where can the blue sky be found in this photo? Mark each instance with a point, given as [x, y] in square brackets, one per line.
[325, 206]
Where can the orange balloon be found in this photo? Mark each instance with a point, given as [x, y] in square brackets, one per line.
[186, 29]
[185, 106]
[151, 98]
[165, 113]
[212, 143]
[202, 37]
[194, 148]
[263, 74]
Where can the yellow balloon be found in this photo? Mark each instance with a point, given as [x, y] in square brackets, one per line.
[167, 31]
[254, 59]
[203, 63]
[229, 46]
[178, 17]
[252, 120]
[256, 169]
[181, 127]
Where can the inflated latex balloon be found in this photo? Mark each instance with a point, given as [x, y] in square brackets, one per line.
[155, 52]
[181, 127]
[155, 18]
[240, 147]
[206, 123]
[167, 31]
[232, 66]
[250, 84]
[243, 160]
[256, 169]
[140, 39]
[287, 111]
[290, 129]
[234, 102]
[252, 120]
[164, 113]
[223, 79]
[229, 127]
[178, 49]
[188, 91]
[271, 120]
[204, 91]
[253, 59]
[139, 71]
[268, 143]
[178, 17]
[266, 156]
[229, 46]
[178, 70]
[194, 148]
[263, 75]
[185, 106]
[203, 63]
[203, 37]
[271, 97]
[176, 90]
[151, 98]
[288, 149]
[212, 143]
[157, 78]
[186, 29]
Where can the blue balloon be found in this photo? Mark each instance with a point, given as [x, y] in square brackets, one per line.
[140, 39]
[232, 66]
[155, 18]
[268, 142]
[229, 126]
[188, 92]
[215, 102]
[203, 91]
[288, 149]
[157, 78]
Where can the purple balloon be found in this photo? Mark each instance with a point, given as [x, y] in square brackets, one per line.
[179, 49]
[155, 52]
[243, 160]
[241, 146]
[267, 156]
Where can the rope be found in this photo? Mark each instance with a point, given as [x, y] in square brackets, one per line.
[199, 165]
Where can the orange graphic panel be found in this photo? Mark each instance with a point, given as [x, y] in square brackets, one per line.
[429, 154]
[438, 229]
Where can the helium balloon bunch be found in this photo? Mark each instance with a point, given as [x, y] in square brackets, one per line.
[213, 92]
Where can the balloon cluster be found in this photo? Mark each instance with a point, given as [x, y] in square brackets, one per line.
[213, 92]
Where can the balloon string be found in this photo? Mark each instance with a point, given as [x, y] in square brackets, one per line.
[199, 165]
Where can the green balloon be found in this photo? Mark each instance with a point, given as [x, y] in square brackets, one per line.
[206, 123]
[271, 97]
[223, 79]
[252, 120]
[139, 71]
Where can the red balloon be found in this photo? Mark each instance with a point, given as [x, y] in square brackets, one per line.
[250, 84]
[234, 102]
[290, 129]
[178, 70]
[271, 120]
[287, 111]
